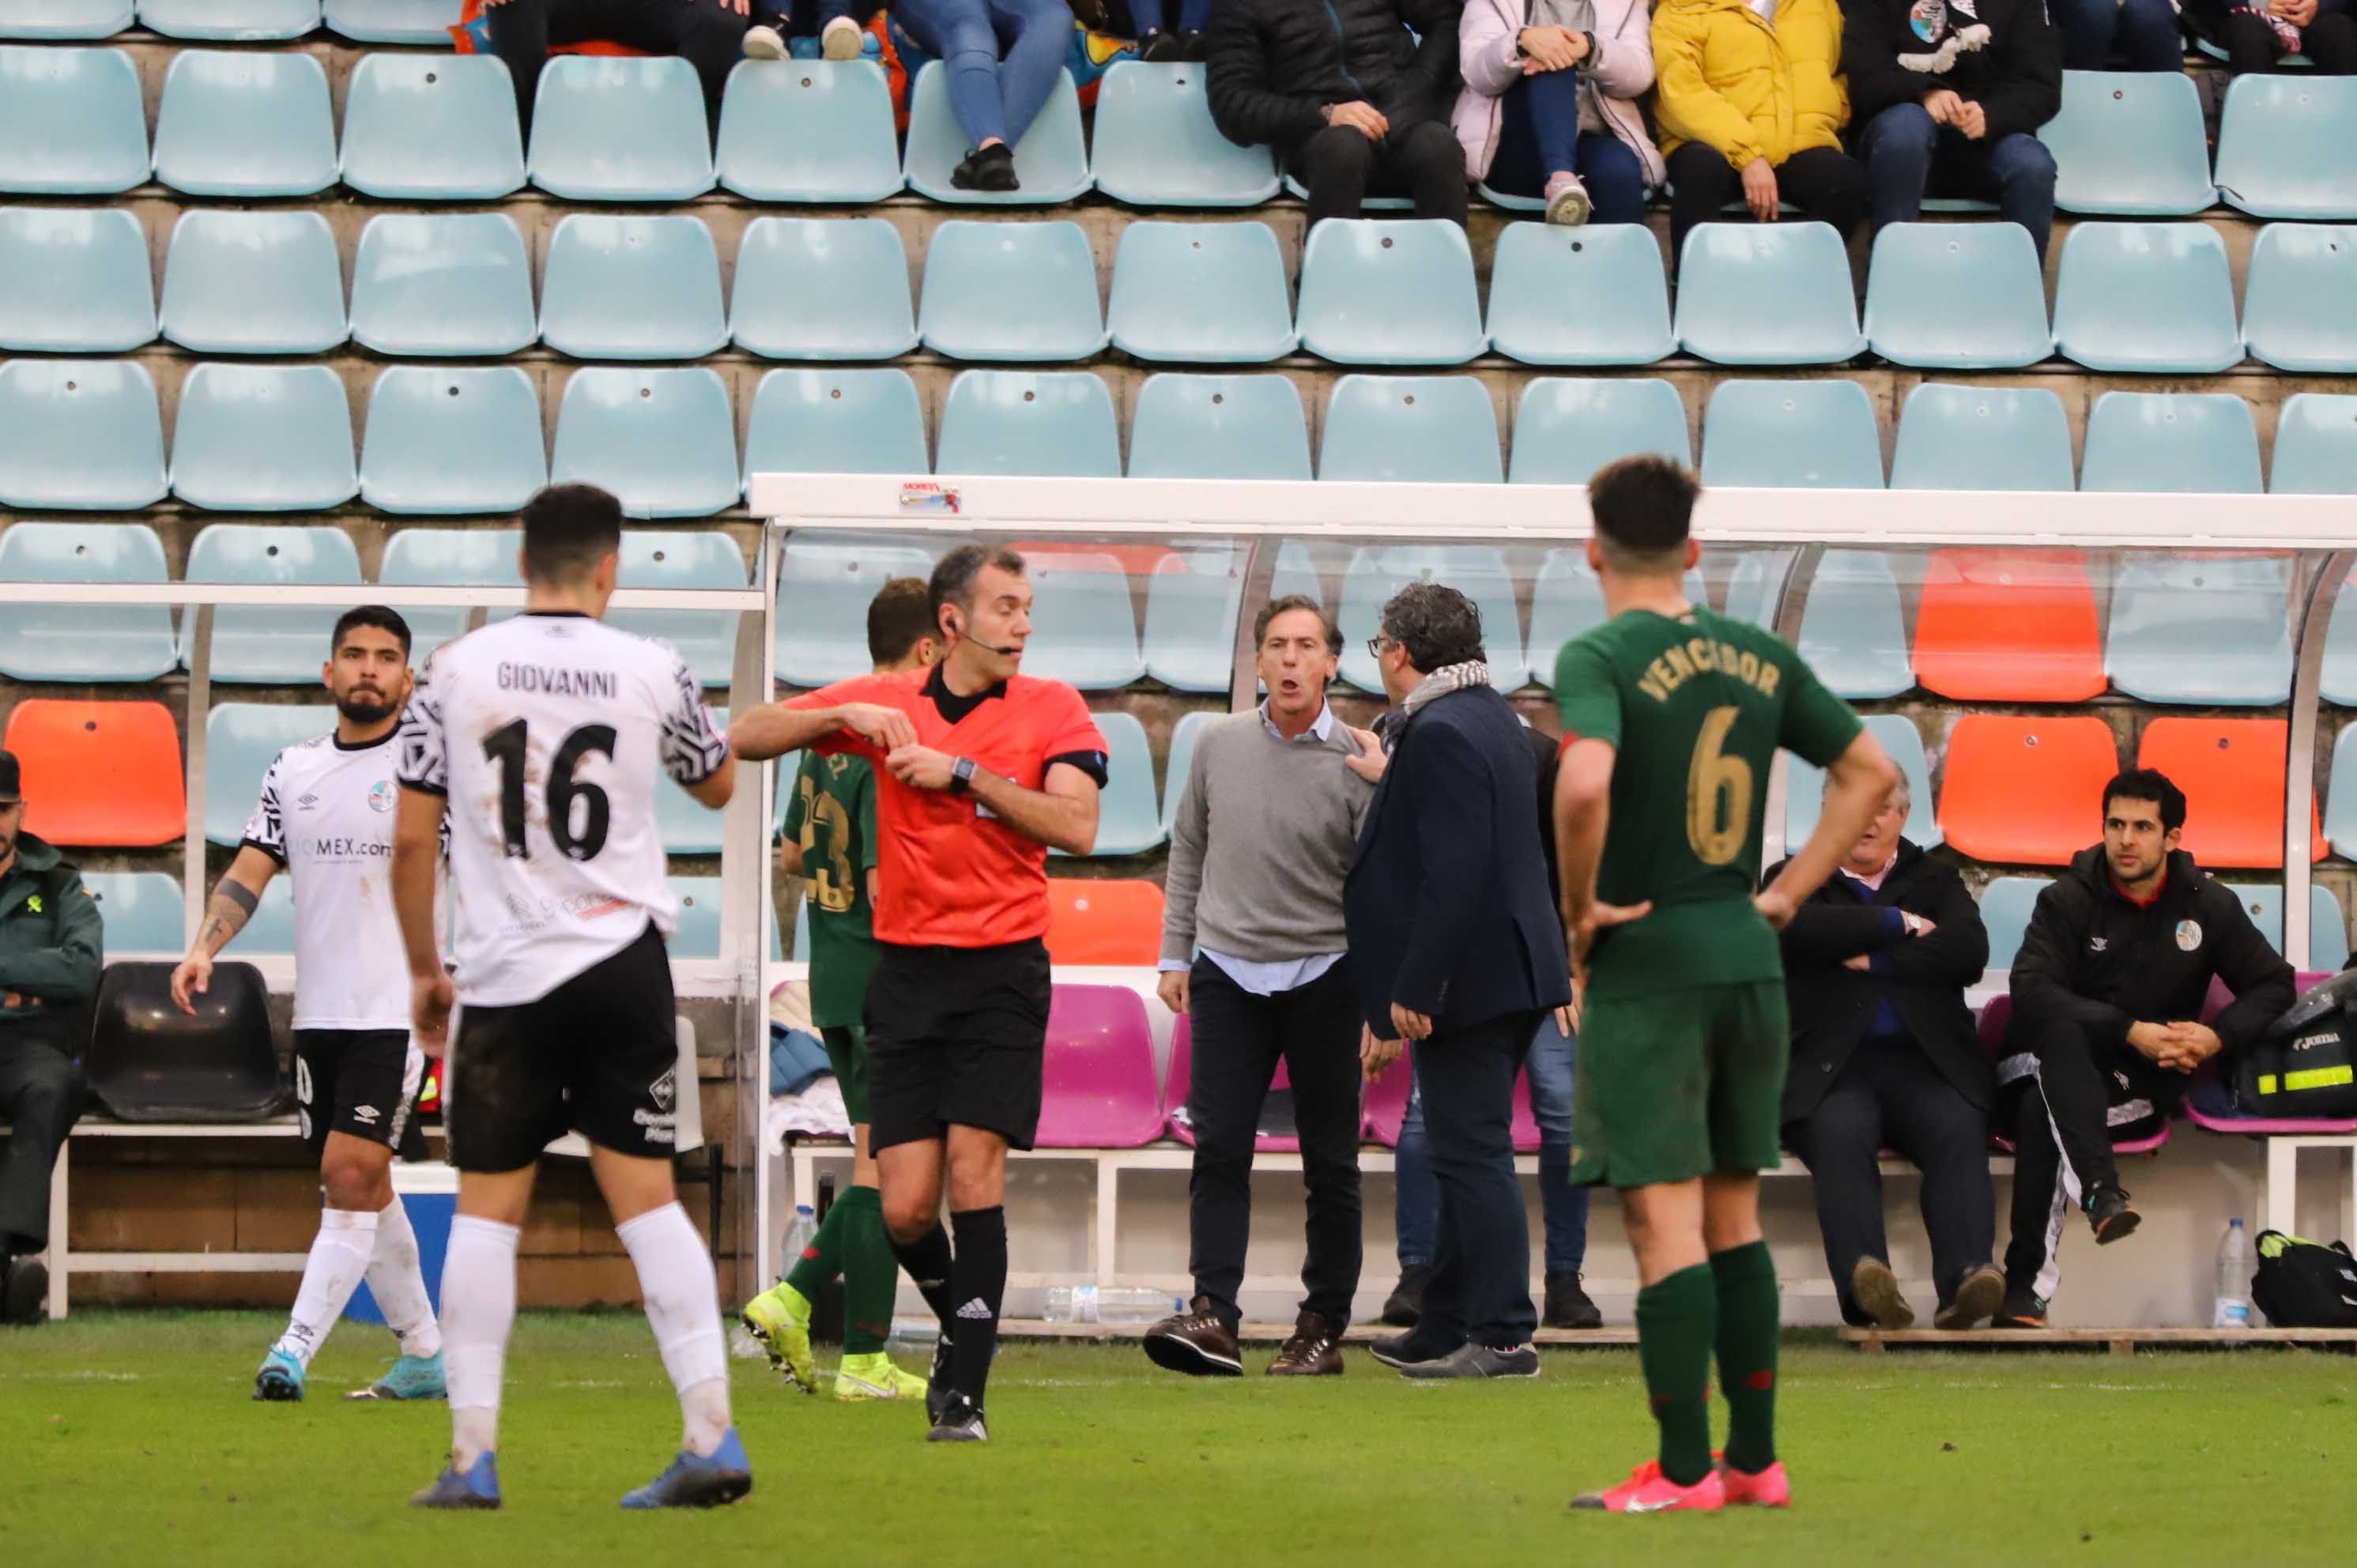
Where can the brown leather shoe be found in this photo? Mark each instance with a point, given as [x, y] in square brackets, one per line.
[1196, 1342]
[1312, 1352]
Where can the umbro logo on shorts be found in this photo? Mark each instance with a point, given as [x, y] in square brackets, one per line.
[664, 1089]
[365, 1115]
[975, 1311]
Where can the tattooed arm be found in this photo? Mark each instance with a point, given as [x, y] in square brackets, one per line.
[233, 903]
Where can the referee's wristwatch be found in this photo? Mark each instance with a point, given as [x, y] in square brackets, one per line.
[962, 776]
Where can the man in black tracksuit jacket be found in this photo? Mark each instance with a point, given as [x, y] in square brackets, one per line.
[2107, 991]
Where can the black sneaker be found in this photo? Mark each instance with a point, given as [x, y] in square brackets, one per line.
[24, 1289]
[1406, 1304]
[987, 169]
[2021, 1310]
[2108, 1212]
[1161, 46]
[1404, 1350]
[959, 1421]
[1567, 1305]
[938, 1392]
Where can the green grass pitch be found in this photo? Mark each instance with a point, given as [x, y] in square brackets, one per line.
[128, 1437]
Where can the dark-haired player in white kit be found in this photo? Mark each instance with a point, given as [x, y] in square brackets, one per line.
[541, 736]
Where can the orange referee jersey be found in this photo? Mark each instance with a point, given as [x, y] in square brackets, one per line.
[949, 873]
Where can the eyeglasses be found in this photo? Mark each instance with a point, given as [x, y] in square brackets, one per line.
[1375, 646]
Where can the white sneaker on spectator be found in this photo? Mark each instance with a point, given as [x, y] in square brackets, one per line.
[841, 38]
[1567, 199]
[764, 43]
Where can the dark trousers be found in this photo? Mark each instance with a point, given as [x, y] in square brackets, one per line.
[1825, 183]
[2139, 34]
[1908, 155]
[2330, 42]
[1890, 1096]
[1481, 1287]
[1539, 135]
[708, 34]
[1338, 166]
[1239, 1037]
[42, 1090]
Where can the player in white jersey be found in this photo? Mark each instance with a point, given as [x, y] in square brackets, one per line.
[540, 739]
[326, 818]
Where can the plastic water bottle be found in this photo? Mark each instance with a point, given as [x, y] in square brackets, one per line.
[1071, 1303]
[798, 1238]
[1134, 1307]
[2233, 1306]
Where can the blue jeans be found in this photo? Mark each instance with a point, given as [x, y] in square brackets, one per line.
[1539, 134]
[2142, 34]
[1002, 56]
[1908, 155]
[1564, 1206]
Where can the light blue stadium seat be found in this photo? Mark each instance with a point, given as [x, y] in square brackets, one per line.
[1390, 291]
[2316, 446]
[1568, 427]
[2299, 307]
[271, 932]
[809, 130]
[1201, 294]
[65, 19]
[685, 826]
[662, 440]
[1852, 631]
[72, 121]
[1010, 291]
[835, 422]
[443, 441]
[685, 558]
[822, 288]
[826, 581]
[1156, 145]
[75, 643]
[443, 284]
[698, 931]
[2199, 442]
[1957, 296]
[1051, 162]
[2327, 930]
[2130, 143]
[1192, 601]
[263, 438]
[253, 282]
[1754, 586]
[447, 557]
[635, 287]
[139, 911]
[1804, 786]
[266, 645]
[1128, 820]
[394, 21]
[1428, 429]
[1085, 632]
[2340, 797]
[245, 124]
[2005, 906]
[1567, 600]
[1055, 423]
[242, 739]
[2201, 631]
[1588, 295]
[1183, 735]
[74, 280]
[431, 127]
[1478, 570]
[230, 21]
[1982, 438]
[621, 130]
[1218, 427]
[1811, 435]
[2279, 139]
[1300, 192]
[1728, 269]
[80, 433]
[2146, 297]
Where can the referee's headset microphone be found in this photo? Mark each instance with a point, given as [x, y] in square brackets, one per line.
[957, 626]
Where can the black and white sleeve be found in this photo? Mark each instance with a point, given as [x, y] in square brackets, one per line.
[423, 761]
[693, 747]
[267, 829]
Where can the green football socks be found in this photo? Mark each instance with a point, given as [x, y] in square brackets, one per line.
[1749, 1315]
[1676, 1321]
[851, 1241]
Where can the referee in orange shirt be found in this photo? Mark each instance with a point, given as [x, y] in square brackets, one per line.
[981, 769]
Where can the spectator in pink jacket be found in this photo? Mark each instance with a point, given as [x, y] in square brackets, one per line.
[1550, 104]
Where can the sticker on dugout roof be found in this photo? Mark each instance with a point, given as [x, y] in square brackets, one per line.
[925, 495]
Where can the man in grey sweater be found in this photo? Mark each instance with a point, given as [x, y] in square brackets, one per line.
[1252, 951]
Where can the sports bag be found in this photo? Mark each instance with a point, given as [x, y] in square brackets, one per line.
[2304, 1285]
[2306, 1064]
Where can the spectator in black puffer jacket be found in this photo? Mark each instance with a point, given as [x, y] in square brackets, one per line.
[1353, 94]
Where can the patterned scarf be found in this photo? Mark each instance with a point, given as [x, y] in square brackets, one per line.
[1447, 679]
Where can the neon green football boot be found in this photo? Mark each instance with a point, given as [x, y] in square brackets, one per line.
[780, 1317]
[862, 1378]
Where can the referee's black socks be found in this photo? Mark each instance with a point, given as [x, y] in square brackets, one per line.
[927, 1260]
[978, 1279]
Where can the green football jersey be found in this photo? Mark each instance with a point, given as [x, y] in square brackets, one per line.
[1695, 708]
[832, 814]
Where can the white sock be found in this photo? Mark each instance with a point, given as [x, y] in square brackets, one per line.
[398, 1285]
[339, 1256]
[478, 1307]
[682, 1296]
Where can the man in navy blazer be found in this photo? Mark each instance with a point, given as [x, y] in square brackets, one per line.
[1456, 946]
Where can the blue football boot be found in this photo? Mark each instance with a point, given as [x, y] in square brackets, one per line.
[478, 1488]
[411, 1378]
[280, 1381]
[698, 1482]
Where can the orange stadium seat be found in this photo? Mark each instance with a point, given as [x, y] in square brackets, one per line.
[2008, 625]
[1103, 921]
[2023, 790]
[2231, 771]
[103, 774]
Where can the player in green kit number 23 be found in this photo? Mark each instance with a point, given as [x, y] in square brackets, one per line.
[1672, 715]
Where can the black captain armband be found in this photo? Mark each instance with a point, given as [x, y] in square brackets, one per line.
[1091, 763]
[237, 893]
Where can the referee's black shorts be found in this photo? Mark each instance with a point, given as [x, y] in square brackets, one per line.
[956, 1035]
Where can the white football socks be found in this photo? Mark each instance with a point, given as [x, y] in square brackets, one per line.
[398, 1285]
[478, 1307]
[682, 1295]
[340, 1257]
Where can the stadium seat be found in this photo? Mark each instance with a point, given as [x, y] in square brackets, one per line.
[241, 740]
[1218, 427]
[1728, 269]
[2008, 625]
[1808, 434]
[1183, 735]
[1957, 296]
[263, 438]
[1192, 601]
[2340, 800]
[824, 586]
[1568, 427]
[140, 911]
[1805, 785]
[2299, 305]
[1380, 290]
[1424, 429]
[1982, 438]
[1128, 820]
[2006, 905]
[431, 127]
[84, 435]
[230, 21]
[835, 422]
[1155, 144]
[2189, 442]
[148, 1061]
[822, 288]
[74, 281]
[1296, 573]
[2130, 143]
[636, 287]
[2146, 297]
[2328, 937]
[71, 122]
[447, 557]
[685, 558]
[2021, 790]
[1097, 1088]
[1201, 294]
[442, 285]
[685, 826]
[394, 21]
[253, 282]
[104, 775]
[2276, 137]
[1755, 586]
[662, 440]
[2231, 771]
[1567, 600]
[698, 934]
[1057, 422]
[1103, 921]
[1085, 633]
[2316, 446]
[78, 643]
[809, 130]
[449, 441]
[1479, 571]
[1278, 1133]
[66, 19]
[1051, 162]
[2201, 631]
[1852, 631]
[1580, 296]
[270, 645]
[1385, 1104]
[1010, 292]
[606, 129]
[245, 124]
[1400, 204]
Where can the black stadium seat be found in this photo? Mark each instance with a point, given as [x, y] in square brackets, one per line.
[149, 1062]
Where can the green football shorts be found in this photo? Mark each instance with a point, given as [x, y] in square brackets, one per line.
[1680, 1083]
[846, 1052]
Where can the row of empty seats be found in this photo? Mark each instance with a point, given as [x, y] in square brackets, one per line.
[245, 21]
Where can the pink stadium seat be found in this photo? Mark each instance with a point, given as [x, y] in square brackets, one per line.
[1386, 1104]
[1181, 1079]
[1526, 1124]
[2210, 1102]
[1994, 1019]
[1098, 1087]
